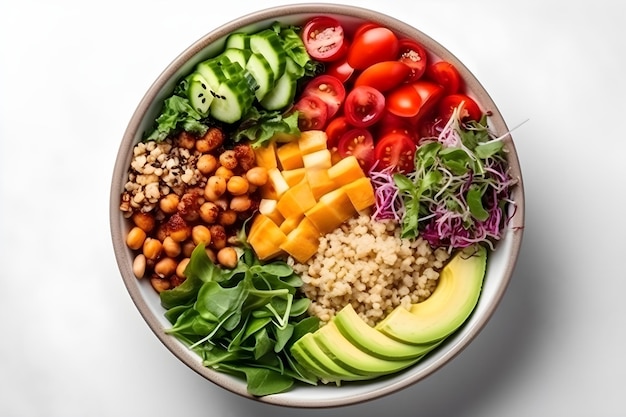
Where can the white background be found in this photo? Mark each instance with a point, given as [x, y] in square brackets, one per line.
[73, 344]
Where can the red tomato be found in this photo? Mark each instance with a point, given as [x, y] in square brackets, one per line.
[340, 69]
[397, 150]
[360, 143]
[383, 76]
[364, 27]
[470, 110]
[335, 129]
[329, 89]
[446, 75]
[390, 123]
[324, 39]
[373, 45]
[414, 99]
[414, 55]
[313, 113]
[364, 106]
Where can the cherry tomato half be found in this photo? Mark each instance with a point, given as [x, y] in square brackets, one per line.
[360, 143]
[373, 45]
[446, 75]
[340, 69]
[395, 150]
[414, 99]
[364, 106]
[329, 89]
[312, 113]
[364, 27]
[335, 129]
[414, 55]
[383, 76]
[469, 111]
[324, 39]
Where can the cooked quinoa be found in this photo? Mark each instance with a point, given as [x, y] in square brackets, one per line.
[367, 264]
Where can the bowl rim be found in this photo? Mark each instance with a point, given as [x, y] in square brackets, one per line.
[172, 72]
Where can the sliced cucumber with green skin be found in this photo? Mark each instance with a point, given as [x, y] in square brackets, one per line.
[268, 44]
[213, 72]
[241, 56]
[283, 93]
[232, 100]
[238, 40]
[262, 72]
[291, 67]
[199, 93]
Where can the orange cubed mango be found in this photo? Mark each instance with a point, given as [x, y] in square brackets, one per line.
[302, 242]
[291, 223]
[266, 156]
[317, 160]
[312, 141]
[275, 186]
[361, 193]
[268, 208]
[265, 237]
[296, 200]
[289, 156]
[294, 176]
[345, 171]
[332, 209]
[320, 182]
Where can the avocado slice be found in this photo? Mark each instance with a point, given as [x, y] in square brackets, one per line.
[374, 342]
[309, 354]
[341, 351]
[450, 304]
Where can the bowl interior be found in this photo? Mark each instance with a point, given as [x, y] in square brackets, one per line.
[500, 264]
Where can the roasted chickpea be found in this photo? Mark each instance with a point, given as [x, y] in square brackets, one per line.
[180, 268]
[165, 267]
[186, 140]
[257, 176]
[237, 185]
[144, 220]
[207, 164]
[209, 212]
[215, 187]
[200, 234]
[171, 247]
[152, 248]
[187, 248]
[169, 203]
[224, 172]
[218, 236]
[135, 238]
[227, 217]
[228, 159]
[227, 257]
[160, 284]
[240, 203]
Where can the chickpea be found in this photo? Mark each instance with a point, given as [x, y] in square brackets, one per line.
[139, 266]
[169, 203]
[160, 284]
[227, 257]
[144, 220]
[152, 248]
[237, 185]
[222, 203]
[218, 236]
[165, 267]
[240, 203]
[186, 140]
[212, 140]
[228, 159]
[135, 238]
[171, 247]
[203, 146]
[211, 255]
[215, 187]
[201, 234]
[209, 212]
[224, 172]
[257, 176]
[188, 248]
[227, 217]
[180, 234]
[180, 268]
[207, 164]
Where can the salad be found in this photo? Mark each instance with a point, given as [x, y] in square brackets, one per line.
[291, 135]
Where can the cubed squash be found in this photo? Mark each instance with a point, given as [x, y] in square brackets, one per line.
[294, 176]
[320, 182]
[266, 156]
[346, 171]
[312, 141]
[289, 156]
[361, 193]
[317, 160]
[276, 185]
[296, 200]
[265, 237]
[302, 242]
[331, 211]
[291, 223]
[268, 208]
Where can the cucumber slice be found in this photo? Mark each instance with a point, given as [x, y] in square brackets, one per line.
[268, 44]
[212, 71]
[292, 68]
[260, 69]
[199, 93]
[238, 40]
[241, 56]
[282, 95]
[232, 101]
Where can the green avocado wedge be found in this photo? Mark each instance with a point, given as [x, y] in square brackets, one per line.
[450, 304]
[350, 357]
[374, 342]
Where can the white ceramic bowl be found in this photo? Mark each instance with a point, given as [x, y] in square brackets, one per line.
[500, 264]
